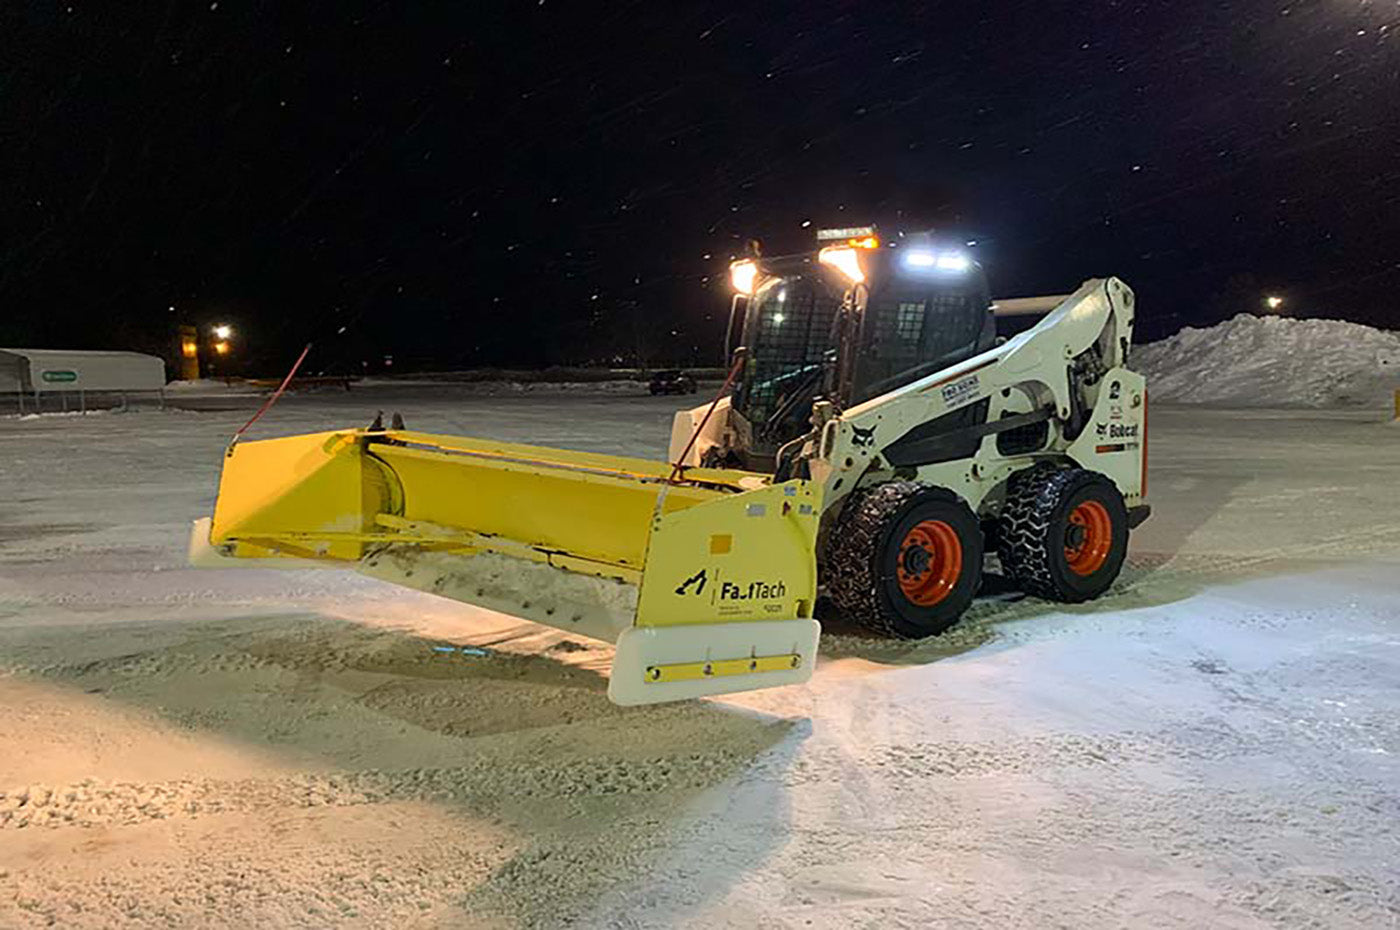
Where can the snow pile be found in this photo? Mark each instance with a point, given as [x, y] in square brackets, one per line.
[1273, 362]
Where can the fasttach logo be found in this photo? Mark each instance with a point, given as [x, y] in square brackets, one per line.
[695, 583]
[753, 591]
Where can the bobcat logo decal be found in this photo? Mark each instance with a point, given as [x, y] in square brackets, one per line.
[863, 437]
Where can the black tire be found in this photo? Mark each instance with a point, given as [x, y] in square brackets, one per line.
[1050, 538]
[871, 563]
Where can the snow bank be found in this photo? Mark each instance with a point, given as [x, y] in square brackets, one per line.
[1272, 361]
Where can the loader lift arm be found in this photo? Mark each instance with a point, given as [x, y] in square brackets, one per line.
[1034, 377]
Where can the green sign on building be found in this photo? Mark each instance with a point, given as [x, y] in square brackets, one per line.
[59, 377]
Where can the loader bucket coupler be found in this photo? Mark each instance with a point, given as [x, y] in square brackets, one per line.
[706, 584]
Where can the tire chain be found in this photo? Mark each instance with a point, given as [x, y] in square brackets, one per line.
[851, 580]
[1024, 533]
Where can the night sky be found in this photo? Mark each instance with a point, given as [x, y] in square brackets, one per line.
[540, 182]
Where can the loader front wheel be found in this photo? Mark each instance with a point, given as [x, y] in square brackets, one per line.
[905, 559]
[1063, 533]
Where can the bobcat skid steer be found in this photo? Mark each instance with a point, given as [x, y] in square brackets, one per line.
[877, 433]
[874, 371]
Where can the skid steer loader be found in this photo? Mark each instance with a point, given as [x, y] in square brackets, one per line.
[877, 436]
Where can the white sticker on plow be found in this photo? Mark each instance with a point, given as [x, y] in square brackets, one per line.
[960, 392]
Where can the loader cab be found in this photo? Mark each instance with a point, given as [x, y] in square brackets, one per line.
[788, 334]
[922, 310]
[848, 330]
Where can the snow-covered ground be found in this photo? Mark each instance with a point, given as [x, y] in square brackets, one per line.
[1272, 361]
[1214, 744]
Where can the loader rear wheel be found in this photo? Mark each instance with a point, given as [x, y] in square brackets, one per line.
[905, 559]
[1063, 533]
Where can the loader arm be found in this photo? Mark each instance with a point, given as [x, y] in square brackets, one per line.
[1068, 371]
[705, 584]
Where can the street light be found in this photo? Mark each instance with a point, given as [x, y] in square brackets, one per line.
[223, 331]
[1273, 302]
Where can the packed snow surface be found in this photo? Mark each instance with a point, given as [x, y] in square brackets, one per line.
[1215, 743]
[1273, 361]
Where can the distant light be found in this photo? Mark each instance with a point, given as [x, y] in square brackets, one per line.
[778, 319]
[1273, 302]
[743, 275]
[223, 331]
[221, 348]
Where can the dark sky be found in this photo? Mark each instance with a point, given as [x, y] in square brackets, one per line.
[537, 182]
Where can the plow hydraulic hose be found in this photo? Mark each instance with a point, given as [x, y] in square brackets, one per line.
[267, 405]
[677, 467]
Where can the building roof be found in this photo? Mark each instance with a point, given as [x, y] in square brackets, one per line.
[48, 354]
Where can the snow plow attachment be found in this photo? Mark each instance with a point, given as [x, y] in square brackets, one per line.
[706, 584]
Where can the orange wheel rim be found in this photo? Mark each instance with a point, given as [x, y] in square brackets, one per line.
[1088, 537]
[930, 562]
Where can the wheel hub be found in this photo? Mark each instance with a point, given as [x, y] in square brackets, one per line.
[930, 562]
[1088, 538]
[916, 560]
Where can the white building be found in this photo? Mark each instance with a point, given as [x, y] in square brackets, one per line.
[75, 373]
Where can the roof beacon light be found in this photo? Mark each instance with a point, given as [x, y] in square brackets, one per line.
[743, 275]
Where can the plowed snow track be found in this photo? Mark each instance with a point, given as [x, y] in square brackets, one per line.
[1212, 743]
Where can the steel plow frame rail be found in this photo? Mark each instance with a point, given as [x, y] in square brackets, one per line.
[706, 584]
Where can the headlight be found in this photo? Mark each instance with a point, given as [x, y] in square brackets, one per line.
[953, 262]
[743, 274]
[845, 260]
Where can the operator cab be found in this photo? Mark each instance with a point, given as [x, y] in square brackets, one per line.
[852, 322]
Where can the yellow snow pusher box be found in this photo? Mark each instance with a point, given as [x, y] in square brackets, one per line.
[706, 583]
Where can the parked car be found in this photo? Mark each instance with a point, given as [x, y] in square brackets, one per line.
[672, 381]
